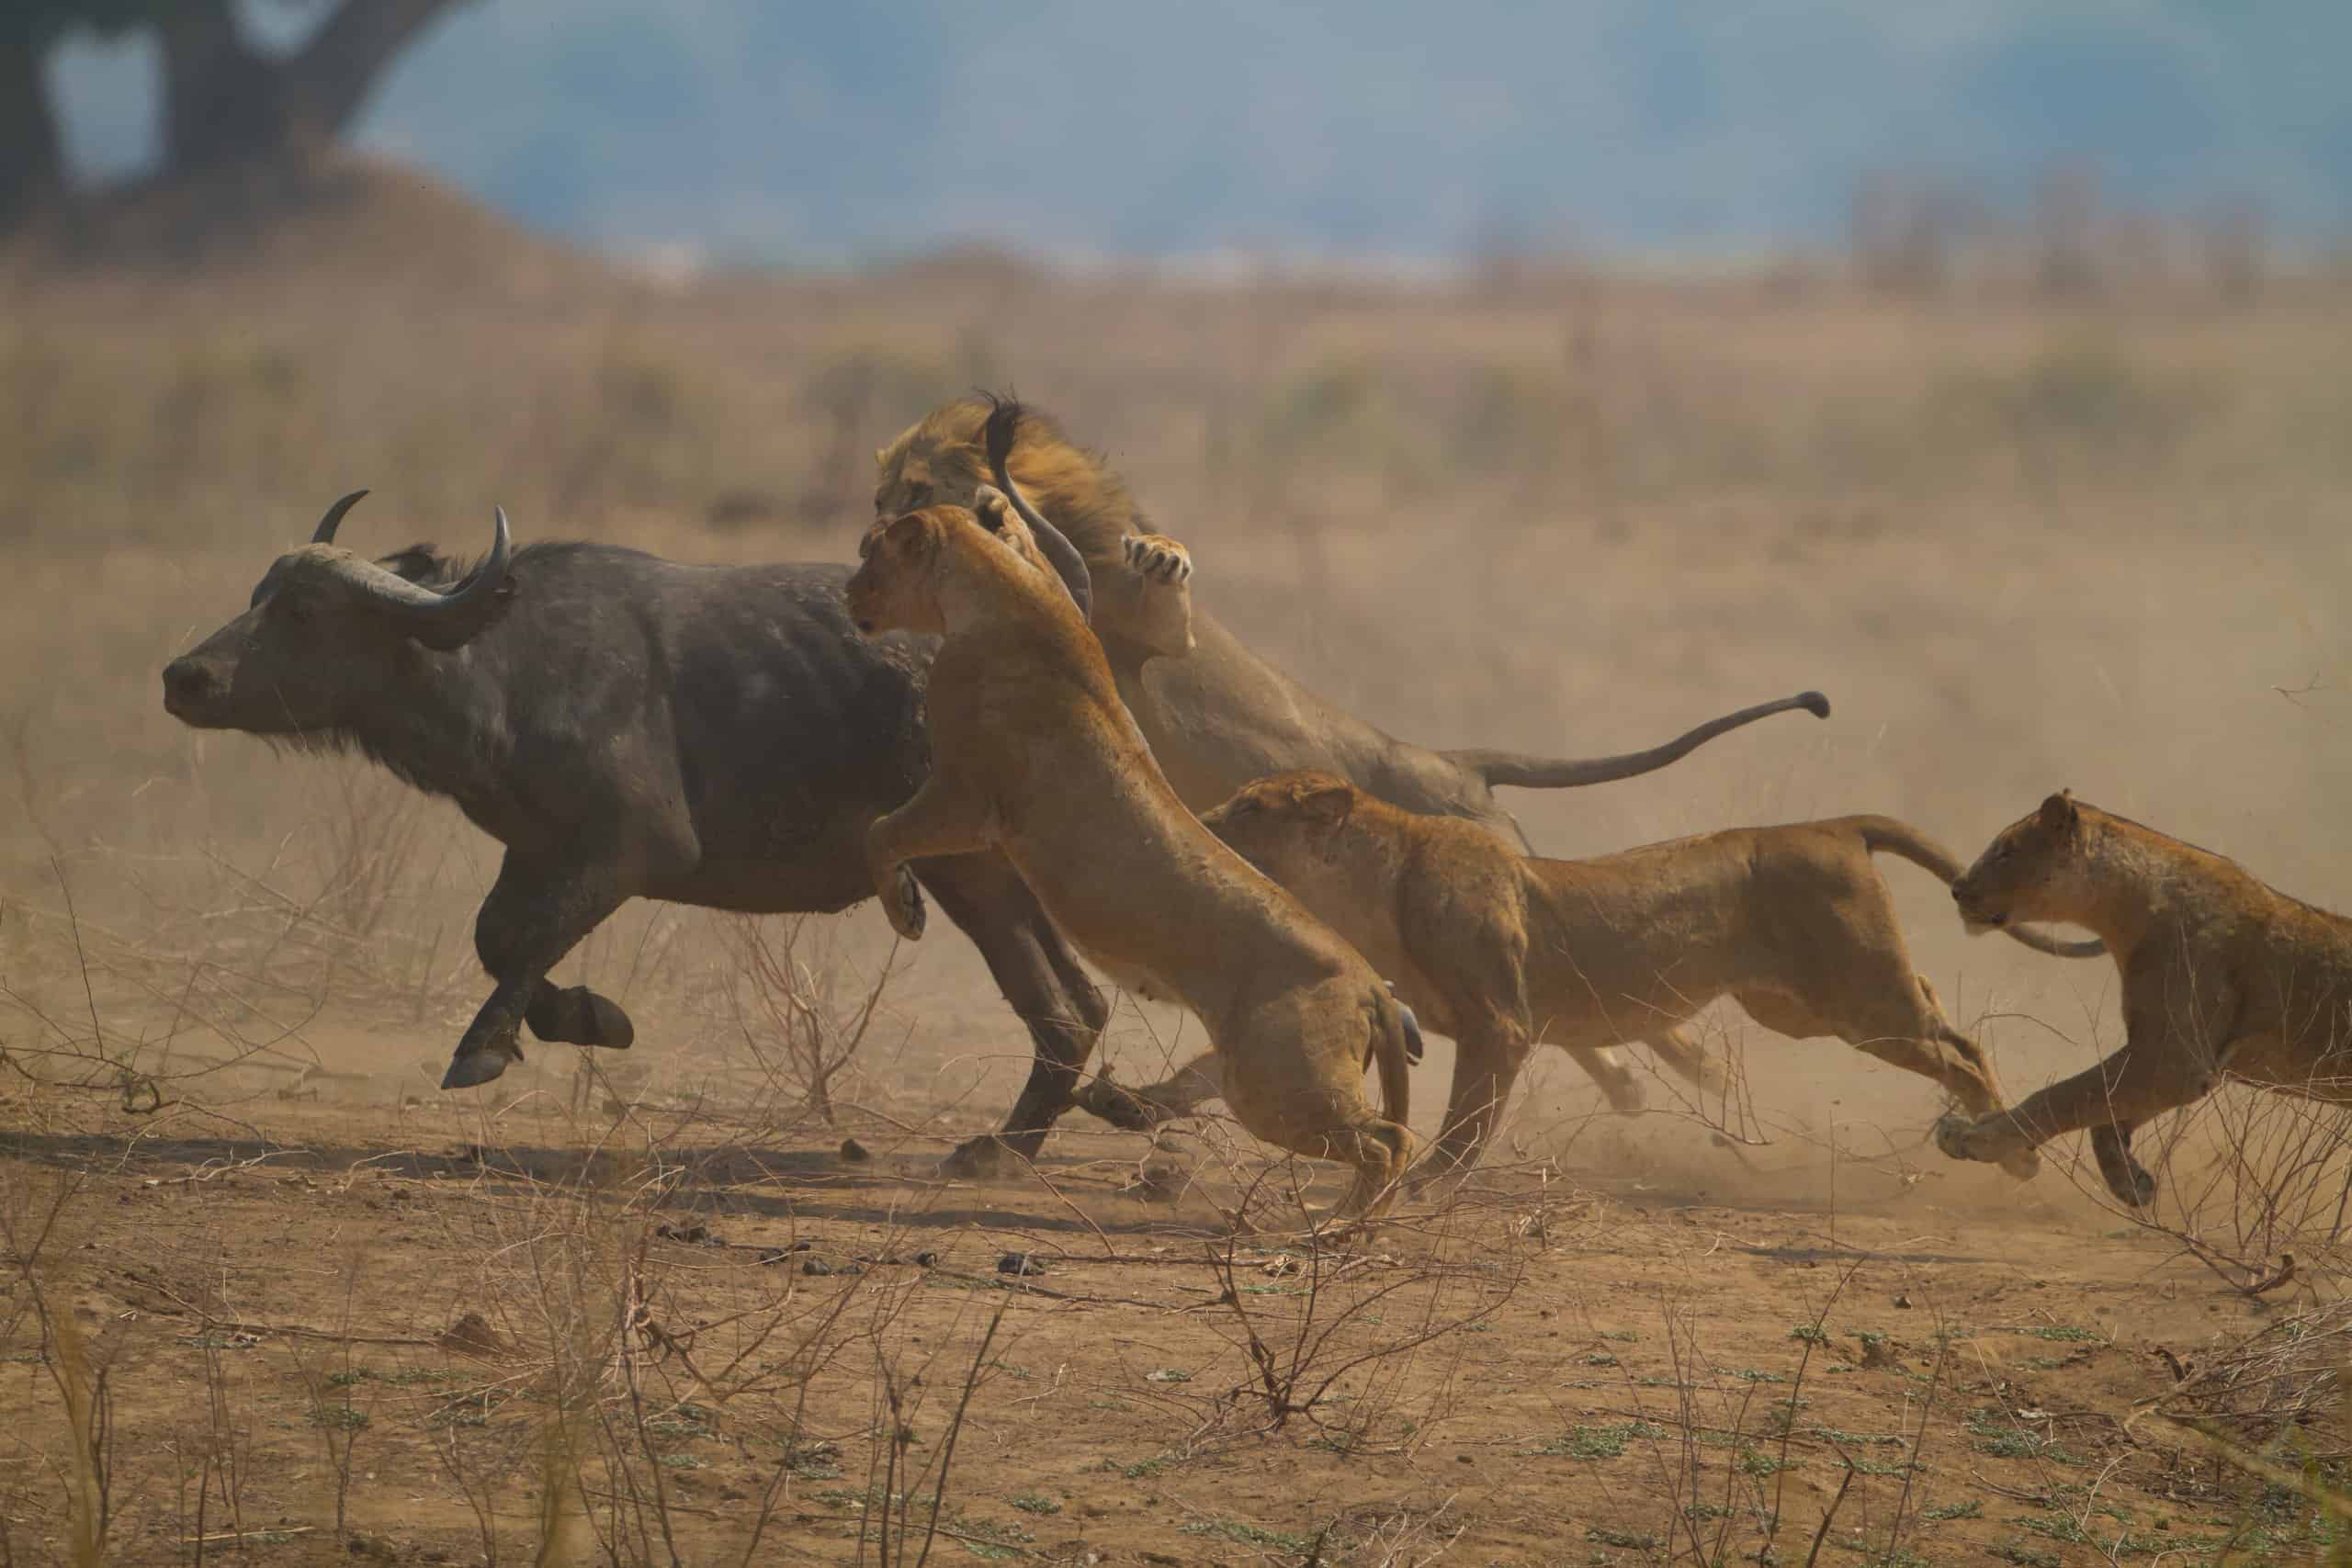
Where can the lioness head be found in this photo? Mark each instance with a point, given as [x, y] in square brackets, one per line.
[2034, 870]
[1286, 823]
[942, 459]
[897, 585]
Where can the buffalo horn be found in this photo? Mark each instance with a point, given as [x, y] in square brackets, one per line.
[390, 588]
[333, 519]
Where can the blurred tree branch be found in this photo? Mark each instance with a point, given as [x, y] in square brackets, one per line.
[224, 101]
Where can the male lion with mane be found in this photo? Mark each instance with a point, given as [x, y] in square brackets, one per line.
[1217, 714]
[1033, 755]
[2222, 975]
[1505, 951]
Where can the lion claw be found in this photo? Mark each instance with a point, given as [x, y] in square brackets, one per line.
[1157, 557]
[1951, 1136]
[904, 906]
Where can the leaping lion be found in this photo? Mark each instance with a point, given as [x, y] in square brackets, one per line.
[1034, 754]
[2223, 977]
[1217, 714]
[1505, 951]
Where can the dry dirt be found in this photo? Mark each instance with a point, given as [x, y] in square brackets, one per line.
[2022, 547]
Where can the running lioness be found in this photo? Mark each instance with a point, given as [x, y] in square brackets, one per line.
[2222, 976]
[1505, 951]
[1033, 755]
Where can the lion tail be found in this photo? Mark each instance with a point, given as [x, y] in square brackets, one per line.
[1903, 841]
[1530, 772]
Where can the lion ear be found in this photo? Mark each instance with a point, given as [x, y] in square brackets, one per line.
[1329, 805]
[2059, 813]
[881, 459]
[915, 534]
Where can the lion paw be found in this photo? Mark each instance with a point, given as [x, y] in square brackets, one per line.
[1951, 1136]
[904, 905]
[1159, 557]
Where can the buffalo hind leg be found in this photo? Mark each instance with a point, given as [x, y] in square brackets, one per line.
[533, 915]
[1040, 977]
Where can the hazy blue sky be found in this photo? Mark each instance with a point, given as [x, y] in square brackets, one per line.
[782, 129]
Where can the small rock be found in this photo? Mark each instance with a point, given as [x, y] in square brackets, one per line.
[815, 1266]
[1020, 1263]
[1902, 1301]
[852, 1151]
[926, 1258]
[692, 1236]
[472, 1335]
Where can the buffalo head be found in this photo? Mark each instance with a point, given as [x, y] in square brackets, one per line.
[326, 629]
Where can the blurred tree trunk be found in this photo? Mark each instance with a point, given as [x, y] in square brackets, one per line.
[30, 165]
[224, 102]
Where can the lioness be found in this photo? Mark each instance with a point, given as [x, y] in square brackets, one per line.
[1215, 714]
[1033, 755]
[2222, 975]
[1503, 951]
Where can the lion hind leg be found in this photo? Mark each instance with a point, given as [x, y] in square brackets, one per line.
[1690, 1061]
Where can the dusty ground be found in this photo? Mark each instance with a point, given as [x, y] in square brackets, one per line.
[1614, 1359]
[2021, 548]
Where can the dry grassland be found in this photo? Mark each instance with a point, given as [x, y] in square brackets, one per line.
[269, 1296]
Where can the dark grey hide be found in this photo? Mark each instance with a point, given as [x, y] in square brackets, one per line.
[630, 726]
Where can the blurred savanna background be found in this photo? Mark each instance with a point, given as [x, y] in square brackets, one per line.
[1550, 379]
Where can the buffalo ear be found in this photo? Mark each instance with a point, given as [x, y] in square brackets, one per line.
[1328, 805]
[2059, 813]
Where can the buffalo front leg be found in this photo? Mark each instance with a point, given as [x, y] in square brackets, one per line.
[1040, 978]
[536, 913]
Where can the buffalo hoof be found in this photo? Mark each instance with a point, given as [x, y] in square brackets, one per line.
[469, 1068]
[903, 905]
[614, 1031]
[2126, 1177]
[578, 1016]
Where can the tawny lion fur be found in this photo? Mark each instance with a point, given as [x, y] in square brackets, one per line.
[1033, 755]
[1217, 714]
[2222, 976]
[1505, 951]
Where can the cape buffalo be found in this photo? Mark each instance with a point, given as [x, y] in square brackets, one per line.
[628, 726]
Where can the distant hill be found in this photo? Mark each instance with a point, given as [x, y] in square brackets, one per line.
[773, 129]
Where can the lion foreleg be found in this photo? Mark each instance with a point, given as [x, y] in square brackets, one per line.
[2154, 1072]
[939, 821]
[1488, 1056]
